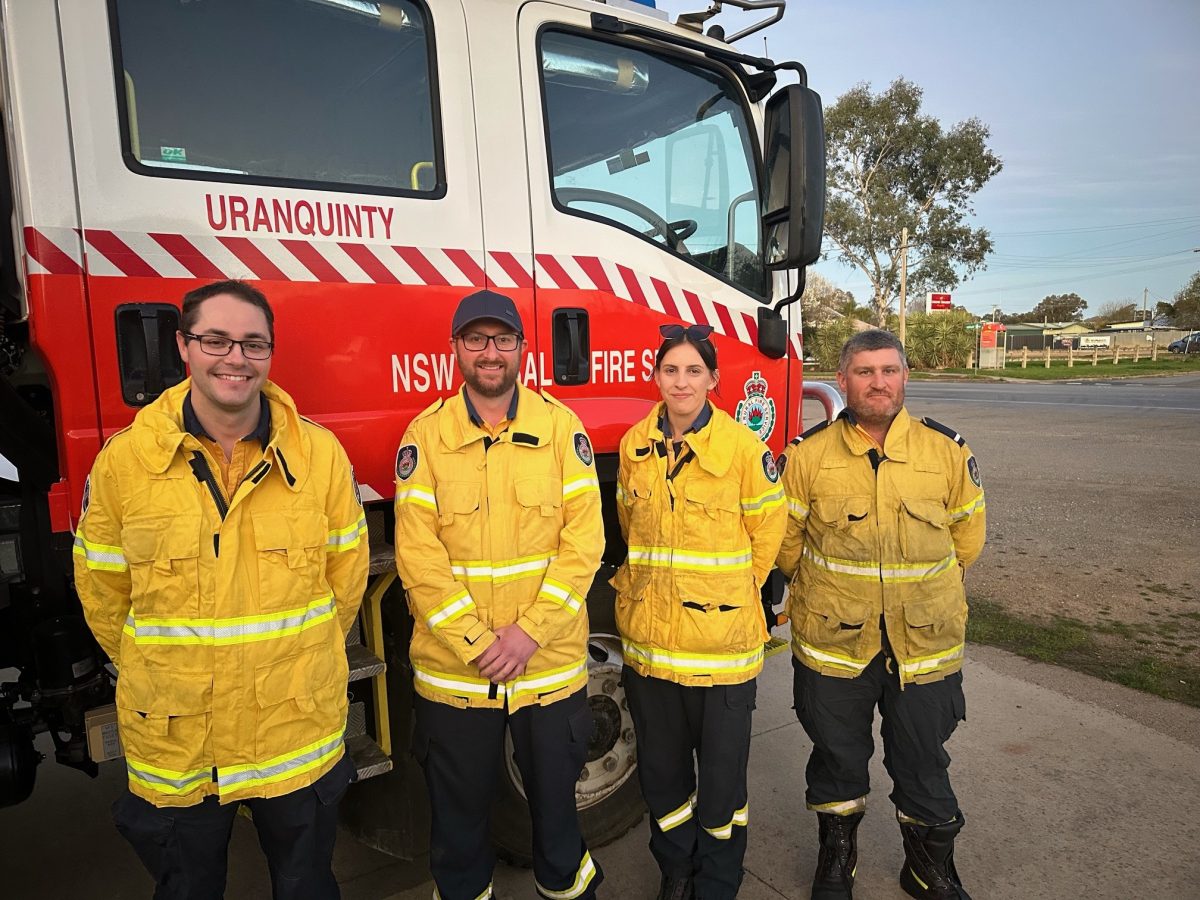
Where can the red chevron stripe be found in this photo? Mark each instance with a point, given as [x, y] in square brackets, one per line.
[513, 269]
[594, 269]
[632, 285]
[48, 255]
[557, 273]
[119, 254]
[425, 270]
[187, 255]
[253, 258]
[369, 263]
[310, 257]
[668, 302]
[727, 328]
[467, 265]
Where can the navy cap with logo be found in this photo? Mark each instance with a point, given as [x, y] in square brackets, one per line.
[486, 305]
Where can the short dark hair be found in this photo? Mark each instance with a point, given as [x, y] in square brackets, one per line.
[192, 301]
[871, 339]
[708, 353]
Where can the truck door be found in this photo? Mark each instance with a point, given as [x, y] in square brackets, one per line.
[644, 194]
[324, 151]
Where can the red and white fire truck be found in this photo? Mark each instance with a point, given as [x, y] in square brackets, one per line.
[367, 164]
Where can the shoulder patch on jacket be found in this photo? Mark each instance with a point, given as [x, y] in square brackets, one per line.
[781, 463]
[583, 447]
[820, 426]
[406, 461]
[973, 470]
[944, 429]
[769, 467]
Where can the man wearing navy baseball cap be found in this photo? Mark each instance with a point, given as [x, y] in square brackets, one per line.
[498, 535]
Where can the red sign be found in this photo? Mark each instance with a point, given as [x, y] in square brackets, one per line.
[989, 334]
[938, 301]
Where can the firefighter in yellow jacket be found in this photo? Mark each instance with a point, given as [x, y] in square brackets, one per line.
[703, 513]
[498, 535]
[885, 515]
[221, 557]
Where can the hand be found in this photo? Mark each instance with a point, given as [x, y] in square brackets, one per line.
[507, 656]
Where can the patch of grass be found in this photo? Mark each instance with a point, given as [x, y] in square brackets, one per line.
[1071, 643]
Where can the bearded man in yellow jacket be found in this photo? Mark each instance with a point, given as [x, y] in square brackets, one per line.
[885, 515]
[498, 535]
[221, 557]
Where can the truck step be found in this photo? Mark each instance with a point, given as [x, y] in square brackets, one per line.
[369, 760]
[363, 663]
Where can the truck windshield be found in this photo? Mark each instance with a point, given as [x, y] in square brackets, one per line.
[657, 144]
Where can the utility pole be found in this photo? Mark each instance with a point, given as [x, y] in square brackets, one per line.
[903, 280]
[1145, 295]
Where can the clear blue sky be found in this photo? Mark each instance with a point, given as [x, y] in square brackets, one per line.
[1094, 108]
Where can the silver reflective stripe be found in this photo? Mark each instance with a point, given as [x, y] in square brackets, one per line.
[100, 556]
[158, 780]
[279, 769]
[228, 631]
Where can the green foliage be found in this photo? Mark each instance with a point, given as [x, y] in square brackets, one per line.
[1058, 308]
[826, 343]
[939, 340]
[890, 167]
[1186, 308]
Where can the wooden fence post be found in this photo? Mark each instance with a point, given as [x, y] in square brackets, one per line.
[1024, 357]
[1047, 357]
[1116, 354]
[1070, 356]
[1154, 350]
[1095, 355]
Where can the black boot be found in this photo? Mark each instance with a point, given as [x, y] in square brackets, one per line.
[929, 872]
[838, 858]
[676, 889]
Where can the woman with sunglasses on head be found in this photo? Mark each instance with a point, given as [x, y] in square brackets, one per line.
[702, 511]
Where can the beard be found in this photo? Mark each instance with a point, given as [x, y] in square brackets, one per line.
[879, 409]
[492, 387]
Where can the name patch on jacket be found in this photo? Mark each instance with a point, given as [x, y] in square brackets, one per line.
[406, 461]
[769, 468]
[583, 448]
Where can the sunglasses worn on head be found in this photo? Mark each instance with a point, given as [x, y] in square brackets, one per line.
[674, 331]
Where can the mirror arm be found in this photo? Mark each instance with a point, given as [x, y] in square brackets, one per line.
[802, 277]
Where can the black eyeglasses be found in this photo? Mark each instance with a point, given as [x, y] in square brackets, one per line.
[216, 345]
[674, 331]
[473, 340]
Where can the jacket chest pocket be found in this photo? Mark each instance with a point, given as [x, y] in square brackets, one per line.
[712, 515]
[844, 530]
[460, 526]
[924, 531]
[164, 566]
[291, 557]
[540, 505]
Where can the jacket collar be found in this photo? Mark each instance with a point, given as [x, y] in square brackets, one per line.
[895, 446]
[159, 434]
[529, 423]
[714, 444]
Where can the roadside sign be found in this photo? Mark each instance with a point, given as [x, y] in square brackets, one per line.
[937, 302]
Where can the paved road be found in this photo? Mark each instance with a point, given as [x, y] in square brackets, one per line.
[1073, 788]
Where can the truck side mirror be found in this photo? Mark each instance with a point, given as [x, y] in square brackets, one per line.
[794, 156]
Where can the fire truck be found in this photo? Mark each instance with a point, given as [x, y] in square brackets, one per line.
[367, 164]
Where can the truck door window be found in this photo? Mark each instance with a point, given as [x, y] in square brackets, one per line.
[658, 145]
[321, 92]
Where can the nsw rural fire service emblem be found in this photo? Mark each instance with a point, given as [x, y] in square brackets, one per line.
[757, 411]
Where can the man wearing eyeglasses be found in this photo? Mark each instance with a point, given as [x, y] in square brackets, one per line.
[498, 535]
[220, 557]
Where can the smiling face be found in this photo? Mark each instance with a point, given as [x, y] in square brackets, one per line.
[873, 382]
[684, 382]
[488, 372]
[228, 384]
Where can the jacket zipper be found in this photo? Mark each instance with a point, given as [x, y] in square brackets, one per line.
[204, 475]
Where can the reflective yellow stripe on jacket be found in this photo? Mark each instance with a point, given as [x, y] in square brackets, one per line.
[100, 557]
[237, 630]
[693, 663]
[522, 686]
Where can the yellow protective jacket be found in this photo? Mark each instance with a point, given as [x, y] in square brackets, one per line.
[228, 631]
[701, 544]
[492, 532]
[893, 542]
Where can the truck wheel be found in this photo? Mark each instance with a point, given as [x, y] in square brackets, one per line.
[607, 794]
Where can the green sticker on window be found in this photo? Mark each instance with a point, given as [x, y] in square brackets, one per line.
[173, 154]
